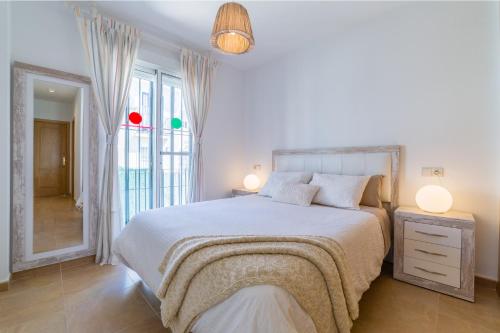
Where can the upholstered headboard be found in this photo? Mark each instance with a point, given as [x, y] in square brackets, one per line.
[376, 160]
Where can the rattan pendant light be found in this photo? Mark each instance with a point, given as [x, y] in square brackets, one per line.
[232, 31]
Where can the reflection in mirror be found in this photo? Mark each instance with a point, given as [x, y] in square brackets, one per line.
[57, 161]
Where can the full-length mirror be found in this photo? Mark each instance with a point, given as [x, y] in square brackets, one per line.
[57, 165]
[54, 162]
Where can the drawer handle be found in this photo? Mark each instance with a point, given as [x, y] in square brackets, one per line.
[427, 271]
[429, 234]
[432, 253]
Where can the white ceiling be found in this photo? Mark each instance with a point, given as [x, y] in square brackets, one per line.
[278, 26]
[62, 93]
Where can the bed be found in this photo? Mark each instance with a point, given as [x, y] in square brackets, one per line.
[363, 239]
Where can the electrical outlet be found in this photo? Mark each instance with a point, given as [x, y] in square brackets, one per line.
[432, 172]
[257, 167]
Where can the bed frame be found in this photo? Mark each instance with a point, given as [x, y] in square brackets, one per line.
[369, 160]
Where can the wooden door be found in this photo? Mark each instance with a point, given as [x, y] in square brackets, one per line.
[51, 152]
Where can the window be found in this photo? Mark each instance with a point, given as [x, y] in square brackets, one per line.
[154, 154]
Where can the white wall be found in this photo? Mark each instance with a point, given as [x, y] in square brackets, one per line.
[153, 52]
[52, 110]
[424, 76]
[46, 34]
[5, 139]
[224, 135]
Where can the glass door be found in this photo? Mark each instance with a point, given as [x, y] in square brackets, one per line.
[175, 143]
[136, 147]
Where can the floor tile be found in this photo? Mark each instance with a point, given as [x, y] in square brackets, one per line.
[51, 323]
[397, 306]
[151, 325]
[102, 299]
[447, 324]
[30, 303]
[483, 313]
[108, 311]
[89, 278]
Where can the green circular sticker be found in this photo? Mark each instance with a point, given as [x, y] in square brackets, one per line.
[176, 123]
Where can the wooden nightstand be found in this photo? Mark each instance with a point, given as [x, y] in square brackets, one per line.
[238, 192]
[435, 251]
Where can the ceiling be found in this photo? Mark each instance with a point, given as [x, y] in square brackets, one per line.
[278, 26]
[62, 93]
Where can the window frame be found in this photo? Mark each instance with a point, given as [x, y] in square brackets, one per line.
[157, 75]
[174, 82]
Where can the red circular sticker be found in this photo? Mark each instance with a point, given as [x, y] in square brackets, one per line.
[135, 118]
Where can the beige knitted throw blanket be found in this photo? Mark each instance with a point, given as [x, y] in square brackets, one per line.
[199, 272]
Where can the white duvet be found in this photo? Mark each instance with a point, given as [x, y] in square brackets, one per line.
[146, 239]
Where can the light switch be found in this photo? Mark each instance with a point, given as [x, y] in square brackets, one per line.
[432, 172]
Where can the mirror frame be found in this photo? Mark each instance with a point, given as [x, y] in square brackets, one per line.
[22, 212]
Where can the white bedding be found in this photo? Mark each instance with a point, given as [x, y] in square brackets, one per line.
[144, 242]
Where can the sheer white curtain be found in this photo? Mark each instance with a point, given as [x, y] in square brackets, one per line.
[197, 77]
[111, 49]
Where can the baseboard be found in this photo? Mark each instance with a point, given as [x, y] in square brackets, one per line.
[486, 282]
[4, 286]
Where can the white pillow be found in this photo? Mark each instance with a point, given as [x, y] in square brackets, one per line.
[341, 191]
[278, 178]
[295, 194]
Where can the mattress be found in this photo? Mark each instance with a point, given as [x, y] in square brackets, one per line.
[362, 234]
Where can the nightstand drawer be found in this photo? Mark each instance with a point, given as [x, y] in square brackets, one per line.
[439, 254]
[432, 271]
[435, 234]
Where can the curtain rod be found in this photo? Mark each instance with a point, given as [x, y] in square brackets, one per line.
[91, 12]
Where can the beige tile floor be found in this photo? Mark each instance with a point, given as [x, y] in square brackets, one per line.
[57, 223]
[83, 297]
